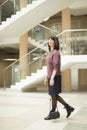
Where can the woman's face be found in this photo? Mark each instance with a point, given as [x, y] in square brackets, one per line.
[51, 43]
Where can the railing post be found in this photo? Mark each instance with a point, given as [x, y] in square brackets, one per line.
[14, 6]
[4, 80]
[0, 14]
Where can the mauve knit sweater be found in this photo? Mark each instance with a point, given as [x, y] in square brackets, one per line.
[53, 62]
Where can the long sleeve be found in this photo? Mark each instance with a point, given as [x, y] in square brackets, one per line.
[53, 63]
[56, 60]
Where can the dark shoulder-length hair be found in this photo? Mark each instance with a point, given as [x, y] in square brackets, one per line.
[56, 42]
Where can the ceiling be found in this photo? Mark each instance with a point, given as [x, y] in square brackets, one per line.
[77, 8]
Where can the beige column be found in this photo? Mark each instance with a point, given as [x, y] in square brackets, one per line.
[23, 51]
[66, 25]
[23, 3]
[23, 47]
[66, 80]
[66, 19]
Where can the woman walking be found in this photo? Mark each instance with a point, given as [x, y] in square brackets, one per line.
[53, 77]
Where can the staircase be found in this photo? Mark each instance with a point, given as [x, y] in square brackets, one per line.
[67, 62]
[40, 35]
[37, 43]
[30, 81]
[29, 17]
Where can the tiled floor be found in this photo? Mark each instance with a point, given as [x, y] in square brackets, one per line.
[26, 111]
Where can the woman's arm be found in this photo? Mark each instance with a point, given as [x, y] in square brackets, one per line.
[46, 80]
[55, 65]
[52, 77]
[53, 74]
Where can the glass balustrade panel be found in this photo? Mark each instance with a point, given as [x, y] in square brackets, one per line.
[10, 7]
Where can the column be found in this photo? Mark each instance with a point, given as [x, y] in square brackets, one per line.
[66, 25]
[23, 51]
[23, 3]
[23, 48]
[66, 80]
[0, 14]
[66, 19]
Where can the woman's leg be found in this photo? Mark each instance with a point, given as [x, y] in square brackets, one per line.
[54, 102]
[68, 108]
[61, 100]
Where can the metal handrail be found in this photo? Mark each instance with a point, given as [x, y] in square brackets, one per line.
[4, 3]
[37, 59]
[73, 30]
[48, 28]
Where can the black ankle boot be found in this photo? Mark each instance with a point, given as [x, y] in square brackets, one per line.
[52, 115]
[69, 109]
[47, 117]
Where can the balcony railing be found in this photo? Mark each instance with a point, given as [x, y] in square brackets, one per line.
[73, 42]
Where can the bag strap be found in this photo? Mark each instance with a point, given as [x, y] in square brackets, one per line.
[50, 105]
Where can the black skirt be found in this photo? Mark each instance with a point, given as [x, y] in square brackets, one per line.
[56, 88]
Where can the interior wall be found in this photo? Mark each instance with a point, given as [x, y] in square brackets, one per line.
[82, 19]
[66, 81]
[54, 23]
[82, 79]
[74, 79]
[8, 75]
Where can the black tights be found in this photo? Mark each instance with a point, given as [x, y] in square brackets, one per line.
[56, 98]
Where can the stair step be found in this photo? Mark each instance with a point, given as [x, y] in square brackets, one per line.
[44, 67]
[28, 77]
[34, 1]
[8, 19]
[33, 74]
[3, 22]
[39, 71]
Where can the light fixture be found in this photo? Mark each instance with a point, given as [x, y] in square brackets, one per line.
[35, 58]
[46, 19]
[8, 59]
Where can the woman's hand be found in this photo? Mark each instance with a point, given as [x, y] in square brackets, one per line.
[45, 82]
[51, 82]
[52, 78]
